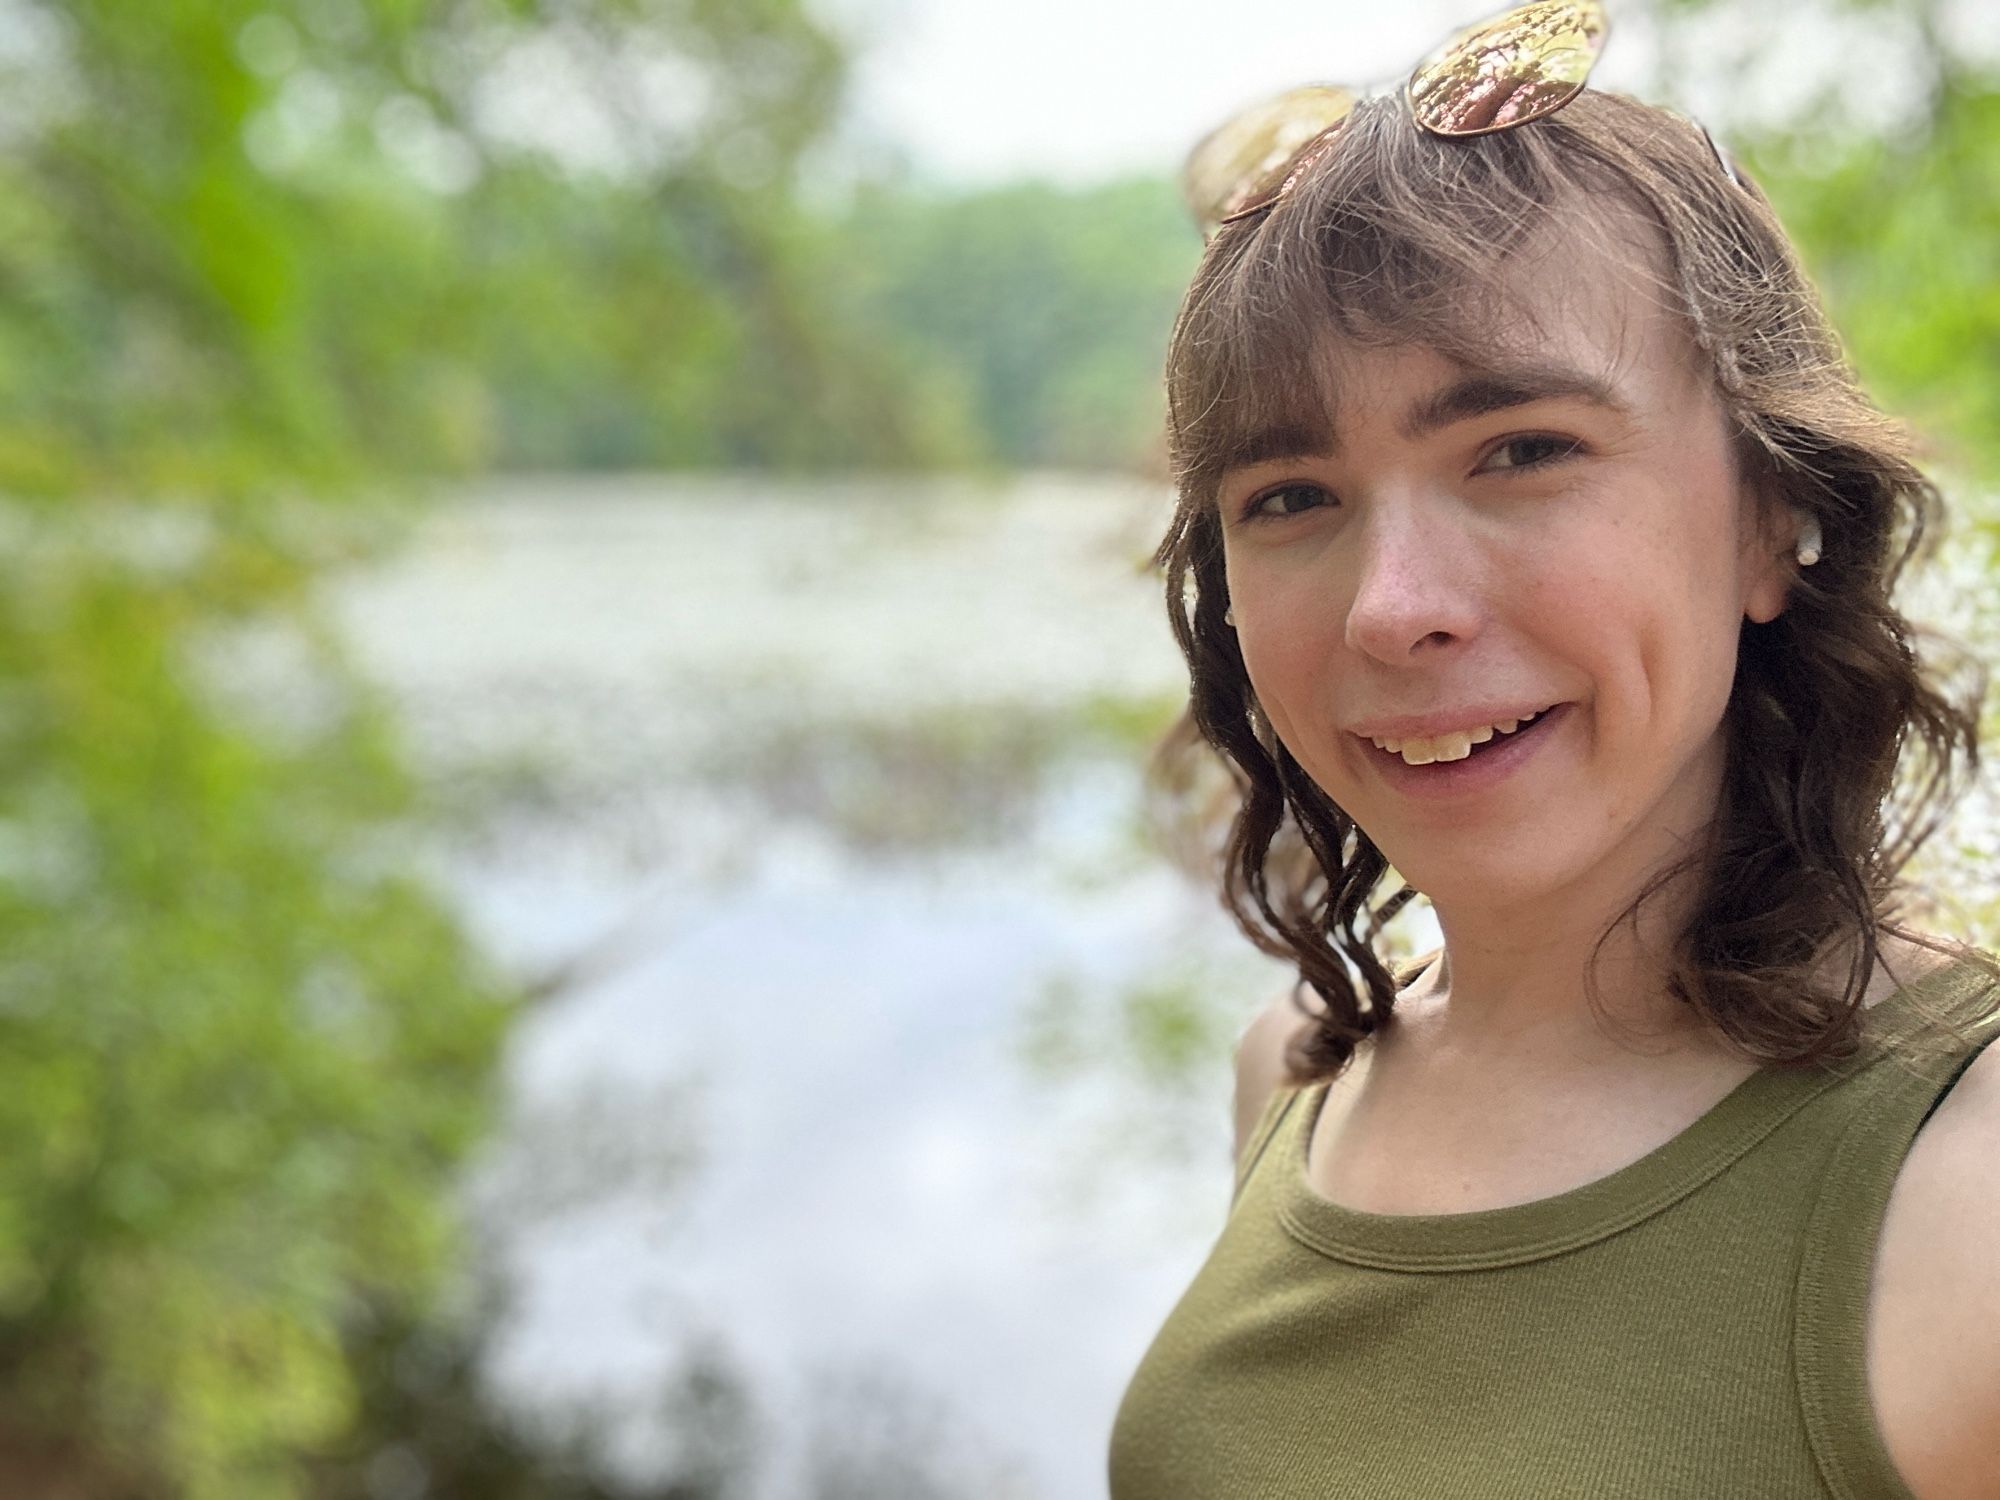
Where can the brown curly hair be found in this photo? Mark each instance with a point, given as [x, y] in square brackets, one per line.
[1399, 237]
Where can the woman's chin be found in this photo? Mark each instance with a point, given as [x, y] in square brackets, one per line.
[1470, 882]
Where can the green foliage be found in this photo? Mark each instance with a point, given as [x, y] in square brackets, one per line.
[312, 240]
[1914, 281]
[1049, 308]
[1901, 231]
[682, 324]
[261, 263]
[243, 1045]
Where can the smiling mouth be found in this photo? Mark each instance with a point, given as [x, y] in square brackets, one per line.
[1460, 744]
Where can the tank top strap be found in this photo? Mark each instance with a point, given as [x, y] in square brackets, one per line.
[1285, 1096]
[1273, 1115]
[1836, 1265]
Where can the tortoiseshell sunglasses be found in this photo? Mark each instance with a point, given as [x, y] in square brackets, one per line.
[1518, 67]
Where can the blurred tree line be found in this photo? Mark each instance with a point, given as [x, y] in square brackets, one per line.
[264, 264]
[260, 265]
[1892, 188]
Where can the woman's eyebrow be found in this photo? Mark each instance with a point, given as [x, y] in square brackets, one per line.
[1485, 391]
[1476, 393]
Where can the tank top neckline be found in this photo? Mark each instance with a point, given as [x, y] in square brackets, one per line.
[1518, 1233]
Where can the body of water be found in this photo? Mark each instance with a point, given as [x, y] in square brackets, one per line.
[814, 790]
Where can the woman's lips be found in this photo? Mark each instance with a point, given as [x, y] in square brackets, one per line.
[1489, 763]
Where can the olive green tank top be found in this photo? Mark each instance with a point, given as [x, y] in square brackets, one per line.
[1687, 1328]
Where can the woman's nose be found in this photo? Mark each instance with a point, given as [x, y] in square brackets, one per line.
[1413, 592]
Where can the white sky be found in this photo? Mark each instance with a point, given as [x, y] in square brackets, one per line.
[1076, 90]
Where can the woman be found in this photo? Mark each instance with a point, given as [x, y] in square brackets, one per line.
[1535, 545]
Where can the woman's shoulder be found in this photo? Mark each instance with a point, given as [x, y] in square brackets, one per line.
[1260, 1057]
[1261, 1048]
[1935, 1319]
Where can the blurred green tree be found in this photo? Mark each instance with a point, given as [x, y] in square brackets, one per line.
[1897, 208]
[1047, 307]
[261, 262]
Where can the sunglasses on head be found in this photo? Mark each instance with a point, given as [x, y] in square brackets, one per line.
[1518, 67]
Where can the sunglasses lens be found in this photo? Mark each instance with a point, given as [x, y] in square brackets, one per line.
[1241, 164]
[1519, 67]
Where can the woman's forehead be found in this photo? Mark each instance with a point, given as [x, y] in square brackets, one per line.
[1572, 321]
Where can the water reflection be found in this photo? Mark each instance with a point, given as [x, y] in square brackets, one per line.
[879, 1078]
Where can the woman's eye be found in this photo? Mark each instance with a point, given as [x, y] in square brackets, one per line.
[1286, 500]
[1532, 451]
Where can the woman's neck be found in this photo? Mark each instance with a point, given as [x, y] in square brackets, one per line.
[1519, 1000]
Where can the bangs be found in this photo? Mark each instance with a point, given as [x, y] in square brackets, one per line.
[1396, 238]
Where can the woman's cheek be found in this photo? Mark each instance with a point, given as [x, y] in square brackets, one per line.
[1299, 700]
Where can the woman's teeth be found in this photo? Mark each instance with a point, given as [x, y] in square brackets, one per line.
[1454, 746]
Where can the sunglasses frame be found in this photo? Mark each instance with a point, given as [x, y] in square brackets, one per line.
[1476, 44]
[1299, 165]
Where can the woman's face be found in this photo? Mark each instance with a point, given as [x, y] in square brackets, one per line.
[1564, 535]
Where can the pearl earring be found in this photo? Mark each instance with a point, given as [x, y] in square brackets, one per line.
[1229, 616]
[1809, 542]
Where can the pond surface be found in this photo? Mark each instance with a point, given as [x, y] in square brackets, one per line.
[826, 802]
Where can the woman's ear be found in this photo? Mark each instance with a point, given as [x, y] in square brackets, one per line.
[1770, 556]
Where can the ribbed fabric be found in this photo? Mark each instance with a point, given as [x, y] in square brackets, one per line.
[1687, 1328]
